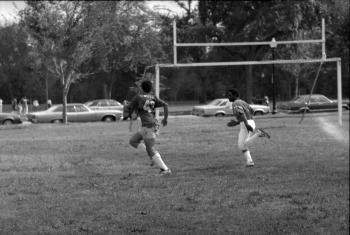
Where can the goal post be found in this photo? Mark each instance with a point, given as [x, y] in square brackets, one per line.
[266, 62]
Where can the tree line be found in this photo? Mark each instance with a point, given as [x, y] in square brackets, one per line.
[74, 51]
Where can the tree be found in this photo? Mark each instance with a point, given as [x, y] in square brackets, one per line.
[16, 78]
[125, 39]
[248, 21]
[59, 36]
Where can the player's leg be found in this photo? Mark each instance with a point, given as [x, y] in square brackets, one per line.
[242, 136]
[251, 135]
[149, 137]
[135, 141]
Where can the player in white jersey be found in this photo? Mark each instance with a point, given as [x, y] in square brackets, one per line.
[144, 105]
[248, 132]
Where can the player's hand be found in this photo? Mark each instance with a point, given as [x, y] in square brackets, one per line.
[165, 122]
[249, 128]
[232, 123]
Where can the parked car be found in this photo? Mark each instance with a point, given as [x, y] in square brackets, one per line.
[223, 107]
[76, 112]
[10, 118]
[104, 104]
[318, 103]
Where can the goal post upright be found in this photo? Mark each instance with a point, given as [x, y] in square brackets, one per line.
[237, 63]
[340, 96]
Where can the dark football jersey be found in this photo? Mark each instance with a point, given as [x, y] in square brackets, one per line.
[145, 106]
[241, 108]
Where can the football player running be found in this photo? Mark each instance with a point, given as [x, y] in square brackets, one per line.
[244, 115]
[144, 105]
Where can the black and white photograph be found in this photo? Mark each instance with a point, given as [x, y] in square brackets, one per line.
[176, 117]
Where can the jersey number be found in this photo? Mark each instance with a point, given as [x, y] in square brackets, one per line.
[149, 105]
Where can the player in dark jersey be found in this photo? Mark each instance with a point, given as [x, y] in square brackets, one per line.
[144, 105]
[244, 115]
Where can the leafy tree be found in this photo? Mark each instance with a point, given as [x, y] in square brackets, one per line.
[125, 39]
[16, 78]
[59, 36]
[247, 21]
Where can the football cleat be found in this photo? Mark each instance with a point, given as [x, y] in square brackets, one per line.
[249, 164]
[263, 133]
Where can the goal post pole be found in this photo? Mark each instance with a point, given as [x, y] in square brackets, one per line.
[174, 42]
[340, 96]
[323, 39]
[157, 67]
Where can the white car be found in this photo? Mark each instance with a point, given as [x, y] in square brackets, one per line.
[76, 112]
[223, 107]
[104, 104]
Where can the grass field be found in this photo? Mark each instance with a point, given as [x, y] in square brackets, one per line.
[85, 179]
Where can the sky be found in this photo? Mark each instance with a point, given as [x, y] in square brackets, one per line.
[9, 9]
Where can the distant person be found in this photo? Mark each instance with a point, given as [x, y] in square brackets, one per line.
[244, 116]
[24, 102]
[266, 101]
[14, 105]
[144, 105]
[49, 103]
[35, 105]
[20, 107]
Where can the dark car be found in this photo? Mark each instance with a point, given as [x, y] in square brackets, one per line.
[318, 103]
[10, 118]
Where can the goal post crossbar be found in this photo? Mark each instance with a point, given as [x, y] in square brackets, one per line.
[246, 43]
[272, 43]
[232, 63]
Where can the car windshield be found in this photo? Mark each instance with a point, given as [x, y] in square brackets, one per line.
[55, 108]
[217, 102]
[80, 108]
[299, 99]
[91, 103]
[114, 103]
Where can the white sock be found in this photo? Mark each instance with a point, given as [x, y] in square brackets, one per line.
[157, 159]
[247, 156]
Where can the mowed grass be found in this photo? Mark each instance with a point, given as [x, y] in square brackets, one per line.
[85, 179]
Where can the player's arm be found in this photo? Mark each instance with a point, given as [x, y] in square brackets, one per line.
[233, 123]
[162, 103]
[132, 110]
[165, 119]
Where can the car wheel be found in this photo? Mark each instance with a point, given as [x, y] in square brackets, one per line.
[7, 122]
[57, 121]
[257, 113]
[108, 119]
[219, 115]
